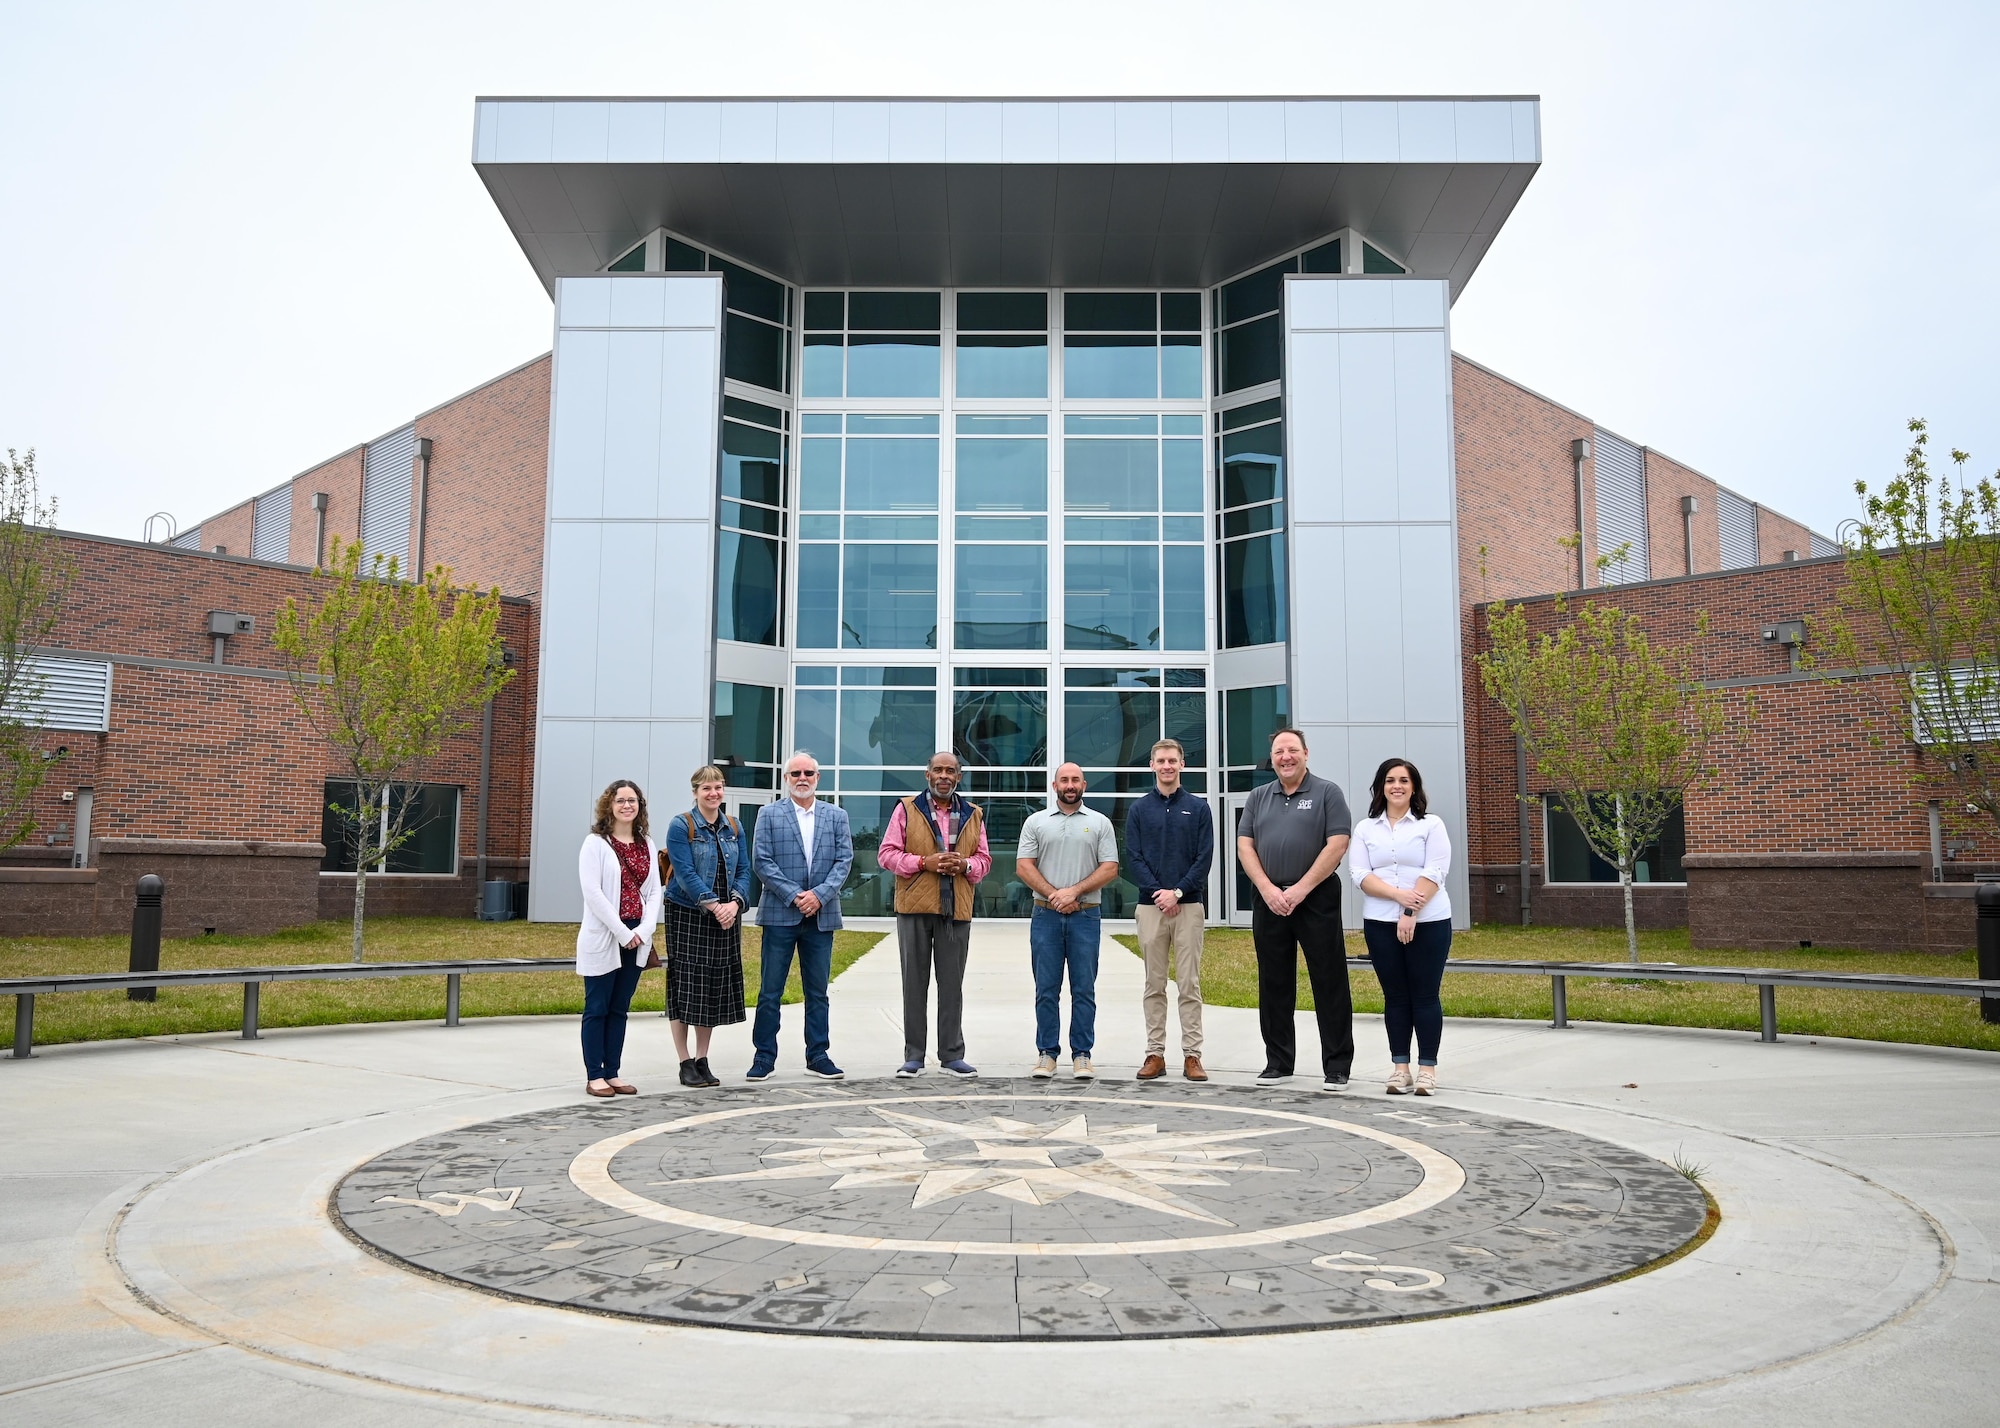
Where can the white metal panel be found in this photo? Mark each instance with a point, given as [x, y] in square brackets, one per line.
[1620, 471]
[1429, 621]
[485, 132]
[1256, 132]
[680, 546]
[564, 794]
[1312, 131]
[628, 621]
[1201, 132]
[1367, 304]
[1145, 132]
[1368, 132]
[805, 132]
[632, 425]
[916, 133]
[1317, 492]
[581, 133]
[1088, 133]
[1367, 425]
[974, 134]
[749, 133]
[388, 479]
[1736, 526]
[636, 134]
[693, 133]
[1484, 131]
[572, 557]
[576, 426]
[640, 304]
[66, 694]
[1423, 425]
[1320, 654]
[526, 133]
[1030, 133]
[1527, 131]
[583, 302]
[1372, 566]
[861, 133]
[1426, 131]
[271, 524]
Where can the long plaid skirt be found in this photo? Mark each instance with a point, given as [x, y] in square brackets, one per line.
[704, 968]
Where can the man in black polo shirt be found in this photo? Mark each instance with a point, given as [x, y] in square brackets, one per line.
[1289, 844]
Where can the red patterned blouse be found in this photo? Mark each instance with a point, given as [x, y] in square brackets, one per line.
[632, 865]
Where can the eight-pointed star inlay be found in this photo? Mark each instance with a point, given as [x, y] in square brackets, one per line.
[1034, 1164]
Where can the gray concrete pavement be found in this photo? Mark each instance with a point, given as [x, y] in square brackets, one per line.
[168, 1254]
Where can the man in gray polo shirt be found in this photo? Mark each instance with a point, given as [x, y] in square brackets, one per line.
[1066, 855]
[1289, 844]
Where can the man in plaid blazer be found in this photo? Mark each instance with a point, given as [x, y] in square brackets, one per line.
[800, 911]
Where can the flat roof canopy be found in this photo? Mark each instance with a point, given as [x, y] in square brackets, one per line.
[1023, 193]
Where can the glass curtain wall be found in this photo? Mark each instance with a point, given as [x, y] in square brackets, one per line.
[1111, 719]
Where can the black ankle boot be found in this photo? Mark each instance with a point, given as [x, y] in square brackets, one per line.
[691, 1074]
[707, 1076]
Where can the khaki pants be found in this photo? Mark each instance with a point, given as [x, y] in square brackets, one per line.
[1181, 933]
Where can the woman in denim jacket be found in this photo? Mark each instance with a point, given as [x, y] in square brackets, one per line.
[708, 888]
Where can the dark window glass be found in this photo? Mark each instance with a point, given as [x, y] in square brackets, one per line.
[1180, 312]
[1252, 414]
[1187, 679]
[753, 352]
[819, 597]
[887, 726]
[999, 677]
[753, 412]
[1002, 597]
[1002, 366]
[428, 815]
[885, 474]
[1323, 259]
[820, 366]
[1111, 312]
[1181, 528]
[814, 720]
[745, 291]
[892, 676]
[1000, 893]
[1087, 678]
[747, 576]
[746, 722]
[1186, 719]
[632, 262]
[1110, 728]
[1253, 465]
[1257, 294]
[1249, 718]
[1111, 528]
[1374, 260]
[883, 366]
[1116, 475]
[894, 312]
[1251, 354]
[1180, 366]
[1111, 597]
[889, 599]
[870, 892]
[684, 257]
[1007, 474]
[1180, 467]
[826, 312]
[1253, 520]
[1003, 312]
[752, 468]
[1253, 591]
[1004, 728]
[1572, 861]
[1184, 626]
[1111, 366]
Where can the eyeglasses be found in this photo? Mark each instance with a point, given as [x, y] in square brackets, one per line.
[803, 773]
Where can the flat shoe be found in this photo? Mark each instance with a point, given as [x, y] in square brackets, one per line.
[624, 1088]
[607, 1093]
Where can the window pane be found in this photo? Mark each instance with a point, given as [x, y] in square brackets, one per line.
[816, 674]
[1180, 312]
[1323, 259]
[1184, 626]
[1571, 859]
[745, 291]
[1003, 312]
[893, 312]
[1111, 475]
[1252, 413]
[1250, 354]
[632, 262]
[892, 676]
[759, 520]
[1111, 528]
[870, 892]
[1250, 717]
[1181, 528]
[336, 830]
[826, 312]
[1034, 528]
[887, 726]
[1000, 893]
[684, 257]
[1111, 367]
[889, 599]
[1258, 293]
[1003, 728]
[884, 474]
[1252, 463]
[819, 597]
[1002, 366]
[1374, 260]
[995, 424]
[892, 366]
[1110, 312]
[1251, 519]
[819, 373]
[753, 352]
[819, 474]
[1253, 591]
[1110, 728]
[1002, 599]
[1098, 424]
[746, 589]
[1008, 474]
[1111, 597]
[746, 722]
[430, 819]
[865, 424]
[813, 722]
[751, 464]
[1186, 719]
[1180, 366]
[892, 527]
[1180, 463]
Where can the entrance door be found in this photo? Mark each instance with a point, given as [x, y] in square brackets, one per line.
[1237, 893]
[744, 805]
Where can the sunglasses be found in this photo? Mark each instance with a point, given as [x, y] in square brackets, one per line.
[814, 773]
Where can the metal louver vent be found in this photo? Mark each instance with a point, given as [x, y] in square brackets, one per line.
[1736, 524]
[1821, 546]
[271, 524]
[187, 540]
[1621, 508]
[388, 477]
[72, 694]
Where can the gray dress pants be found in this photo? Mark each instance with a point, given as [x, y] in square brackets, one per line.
[926, 940]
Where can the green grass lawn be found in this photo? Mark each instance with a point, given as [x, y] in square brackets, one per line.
[99, 1016]
[1229, 978]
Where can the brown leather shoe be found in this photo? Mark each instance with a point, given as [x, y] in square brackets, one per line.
[1192, 1069]
[1154, 1068]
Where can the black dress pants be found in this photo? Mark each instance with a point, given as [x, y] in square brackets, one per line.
[1314, 929]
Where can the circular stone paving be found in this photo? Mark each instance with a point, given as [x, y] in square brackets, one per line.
[1020, 1209]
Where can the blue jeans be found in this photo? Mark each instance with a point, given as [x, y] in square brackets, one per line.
[1410, 974]
[1057, 940]
[607, 998]
[815, 949]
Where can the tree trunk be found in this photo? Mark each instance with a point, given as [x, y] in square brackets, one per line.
[1631, 928]
[361, 904]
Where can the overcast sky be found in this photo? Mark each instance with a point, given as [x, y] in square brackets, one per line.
[238, 238]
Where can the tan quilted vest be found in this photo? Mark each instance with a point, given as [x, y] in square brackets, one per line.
[920, 893]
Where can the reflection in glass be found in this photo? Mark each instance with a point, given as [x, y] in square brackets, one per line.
[894, 312]
[1180, 366]
[1111, 597]
[746, 589]
[746, 722]
[1111, 366]
[884, 474]
[813, 722]
[745, 291]
[1251, 465]
[1254, 519]
[1002, 600]
[1003, 312]
[879, 365]
[1181, 528]
[1003, 365]
[1259, 293]
[1250, 355]
[1111, 475]
[820, 364]
[1000, 893]
[1180, 465]
[1183, 626]
[819, 597]
[752, 463]
[1001, 728]
[753, 352]
[1186, 719]
[887, 726]
[819, 474]
[889, 599]
[892, 527]
[1034, 528]
[870, 892]
[1253, 591]
[1249, 718]
[1110, 312]
[1005, 474]
[1110, 728]
[1111, 528]
[1180, 312]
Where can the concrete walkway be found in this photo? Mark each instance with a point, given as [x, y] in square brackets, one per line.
[168, 1255]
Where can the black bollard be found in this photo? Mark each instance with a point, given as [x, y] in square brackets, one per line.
[146, 914]
[1987, 896]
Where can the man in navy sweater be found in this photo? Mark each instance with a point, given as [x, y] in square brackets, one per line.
[1169, 844]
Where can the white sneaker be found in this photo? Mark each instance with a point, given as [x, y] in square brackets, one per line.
[1083, 1069]
[1399, 1079]
[1045, 1067]
[1427, 1080]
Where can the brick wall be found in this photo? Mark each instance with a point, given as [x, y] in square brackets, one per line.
[1667, 481]
[1777, 534]
[340, 479]
[1516, 487]
[488, 481]
[231, 530]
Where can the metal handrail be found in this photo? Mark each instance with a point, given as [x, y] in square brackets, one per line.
[1767, 980]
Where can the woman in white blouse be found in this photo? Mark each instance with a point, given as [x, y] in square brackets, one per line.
[1399, 859]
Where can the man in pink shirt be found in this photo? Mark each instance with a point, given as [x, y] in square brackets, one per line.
[935, 846]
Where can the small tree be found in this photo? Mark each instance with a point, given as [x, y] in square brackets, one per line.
[1621, 729]
[35, 573]
[385, 670]
[1922, 599]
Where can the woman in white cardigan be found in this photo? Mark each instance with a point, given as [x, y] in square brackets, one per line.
[1399, 858]
[619, 869]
